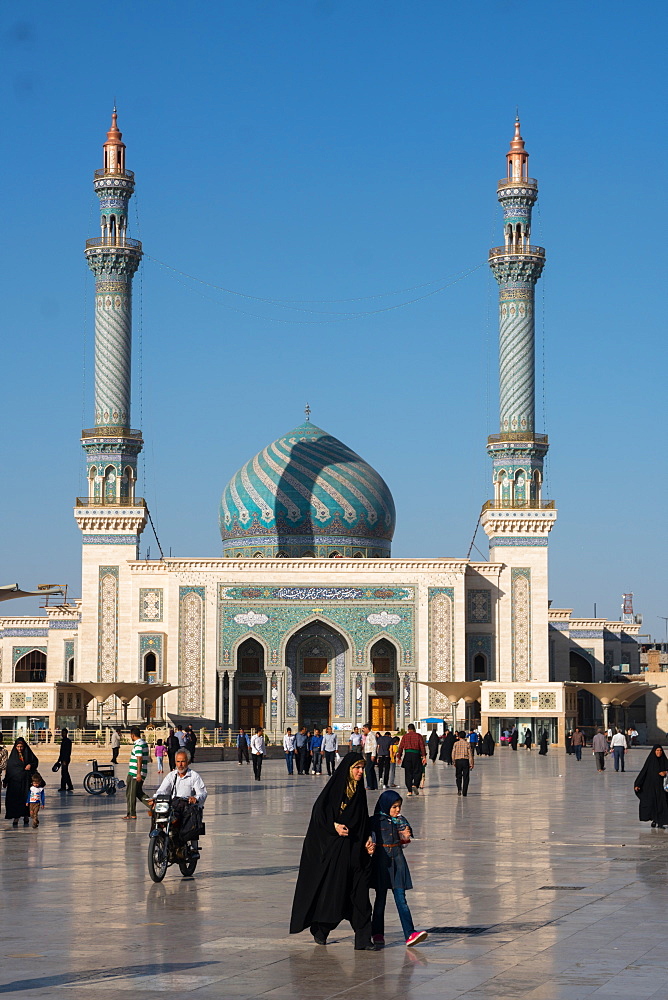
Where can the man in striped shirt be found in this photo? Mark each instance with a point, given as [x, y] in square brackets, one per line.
[462, 756]
[137, 771]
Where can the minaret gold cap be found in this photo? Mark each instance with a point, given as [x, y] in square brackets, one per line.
[517, 156]
[114, 148]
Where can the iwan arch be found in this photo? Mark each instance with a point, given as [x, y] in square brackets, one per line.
[306, 617]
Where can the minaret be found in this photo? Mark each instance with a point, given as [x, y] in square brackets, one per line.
[517, 521]
[111, 446]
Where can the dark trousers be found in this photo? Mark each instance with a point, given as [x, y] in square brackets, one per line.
[330, 758]
[242, 753]
[378, 920]
[383, 769]
[317, 761]
[462, 775]
[302, 759]
[412, 769]
[65, 780]
[618, 754]
[600, 761]
[114, 755]
[257, 765]
[134, 790]
[370, 773]
[577, 750]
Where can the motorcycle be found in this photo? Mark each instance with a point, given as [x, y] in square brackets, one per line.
[165, 846]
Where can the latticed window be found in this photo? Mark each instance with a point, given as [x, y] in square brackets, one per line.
[31, 668]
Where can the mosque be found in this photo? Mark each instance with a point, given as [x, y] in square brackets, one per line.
[306, 617]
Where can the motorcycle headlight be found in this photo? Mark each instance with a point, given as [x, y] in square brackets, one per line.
[161, 808]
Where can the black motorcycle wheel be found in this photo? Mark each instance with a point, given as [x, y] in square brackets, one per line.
[187, 868]
[157, 857]
[95, 783]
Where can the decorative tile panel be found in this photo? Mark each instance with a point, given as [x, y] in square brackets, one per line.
[479, 606]
[19, 651]
[17, 699]
[521, 623]
[68, 654]
[191, 649]
[441, 644]
[521, 701]
[480, 644]
[316, 593]
[151, 642]
[107, 642]
[40, 699]
[150, 604]
[547, 700]
[497, 699]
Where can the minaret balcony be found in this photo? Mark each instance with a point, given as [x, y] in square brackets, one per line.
[517, 251]
[517, 182]
[111, 431]
[529, 436]
[130, 174]
[119, 241]
[110, 502]
[519, 505]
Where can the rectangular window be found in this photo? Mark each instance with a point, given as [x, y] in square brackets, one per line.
[315, 664]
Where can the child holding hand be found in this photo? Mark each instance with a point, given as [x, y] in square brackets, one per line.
[36, 797]
[389, 869]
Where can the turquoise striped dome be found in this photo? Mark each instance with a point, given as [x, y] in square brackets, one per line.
[307, 494]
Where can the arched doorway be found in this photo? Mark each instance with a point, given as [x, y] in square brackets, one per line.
[315, 659]
[250, 685]
[383, 682]
[580, 669]
[31, 668]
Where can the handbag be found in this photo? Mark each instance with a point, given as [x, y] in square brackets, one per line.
[56, 767]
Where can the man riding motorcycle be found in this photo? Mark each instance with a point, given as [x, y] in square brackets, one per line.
[184, 786]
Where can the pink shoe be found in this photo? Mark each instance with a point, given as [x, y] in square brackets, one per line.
[416, 938]
[379, 939]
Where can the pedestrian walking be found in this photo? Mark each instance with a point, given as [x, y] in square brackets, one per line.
[356, 740]
[489, 744]
[137, 771]
[528, 738]
[243, 742]
[172, 745]
[514, 738]
[181, 737]
[394, 746]
[447, 744]
[462, 755]
[618, 747]
[64, 759]
[160, 751]
[301, 750]
[330, 746]
[115, 744]
[289, 750]
[191, 742]
[433, 743]
[543, 743]
[36, 798]
[258, 751]
[333, 880]
[389, 870]
[649, 787]
[414, 753]
[370, 747]
[315, 749]
[578, 741]
[383, 744]
[18, 778]
[600, 749]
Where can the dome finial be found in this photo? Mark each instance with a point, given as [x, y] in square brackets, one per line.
[307, 411]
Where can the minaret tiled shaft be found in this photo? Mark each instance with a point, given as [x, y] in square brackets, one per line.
[111, 446]
[517, 265]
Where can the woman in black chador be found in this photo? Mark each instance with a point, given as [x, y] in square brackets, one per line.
[648, 786]
[447, 743]
[18, 778]
[333, 880]
[489, 744]
[543, 743]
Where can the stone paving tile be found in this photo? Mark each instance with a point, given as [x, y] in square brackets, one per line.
[86, 919]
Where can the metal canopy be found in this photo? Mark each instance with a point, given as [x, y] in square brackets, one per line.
[455, 691]
[9, 591]
[616, 693]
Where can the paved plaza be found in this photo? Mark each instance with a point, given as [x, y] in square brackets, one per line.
[541, 884]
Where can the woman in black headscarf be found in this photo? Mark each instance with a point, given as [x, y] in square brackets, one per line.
[18, 777]
[432, 744]
[648, 786]
[489, 744]
[543, 743]
[333, 880]
[447, 744]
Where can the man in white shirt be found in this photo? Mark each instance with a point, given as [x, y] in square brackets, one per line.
[618, 746]
[182, 782]
[289, 750]
[257, 751]
[355, 741]
[370, 757]
[330, 744]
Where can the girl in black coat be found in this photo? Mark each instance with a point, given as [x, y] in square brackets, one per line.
[333, 880]
[648, 786]
[18, 778]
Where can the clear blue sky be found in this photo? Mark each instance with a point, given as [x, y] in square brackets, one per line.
[331, 150]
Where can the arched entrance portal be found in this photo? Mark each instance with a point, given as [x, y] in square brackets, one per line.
[383, 695]
[580, 670]
[250, 685]
[316, 669]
